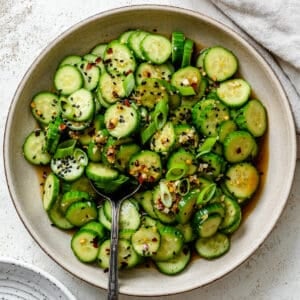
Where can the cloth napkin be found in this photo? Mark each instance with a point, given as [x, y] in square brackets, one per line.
[274, 25]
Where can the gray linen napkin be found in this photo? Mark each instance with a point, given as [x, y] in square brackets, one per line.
[274, 24]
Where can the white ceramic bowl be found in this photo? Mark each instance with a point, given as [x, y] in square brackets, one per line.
[23, 181]
[19, 280]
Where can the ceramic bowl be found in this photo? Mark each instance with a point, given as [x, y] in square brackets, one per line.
[23, 180]
[19, 280]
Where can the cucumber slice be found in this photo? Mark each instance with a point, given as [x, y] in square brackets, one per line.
[238, 146]
[84, 245]
[53, 134]
[81, 212]
[175, 265]
[103, 219]
[51, 191]
[150, 92]
[111, 88]
[225, 128]
[242, 180]
[130, 217]
[70, 167]
[186, 136]
[186, 207]
[145, 200]
[213, 247]
[34, 148]
[79, 106]
[118, 59]
[90, 73]
[220, 63]
[96, 227]
[71, 197]
[234, 92]
[99, 50]
[212, 165]
[156, 48]
[68, 79]
[177, 47]
[146, 166]
[187, 231]
[253, 117]
[71, 60]
[208, 114]
[124, 154]
[187, 80]
[187, 53]
[233, 216]
[45, 107]
[99, 171]
[121, 120]
[135, 41]
[57, 218]
[171, 243]
[146, 241]
[164, 139]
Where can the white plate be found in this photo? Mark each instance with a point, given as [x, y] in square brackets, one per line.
[22, 281]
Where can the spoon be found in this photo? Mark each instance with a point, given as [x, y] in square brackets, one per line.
[116, 200]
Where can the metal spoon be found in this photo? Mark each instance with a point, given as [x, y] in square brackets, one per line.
[116, 200]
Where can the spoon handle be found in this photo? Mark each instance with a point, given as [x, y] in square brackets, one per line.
[113, 286]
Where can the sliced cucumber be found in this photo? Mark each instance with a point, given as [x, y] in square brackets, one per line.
[134, 42]
[45, 107]
[81, 212]
[156, 48]
[72, 196]
[118, 59]
[171, 243]
[34, 148]
[90, 73]
[51, 191]
[146, 241]
[84, 244]
[99, 171]
[213, 247]
[238, 146]
[164, 139]
[146, 166]
[79, 106]
[220, 63]
[121, 120]
[68, 79]
[242, 180]
[252, 117]
[176, 264]
[145, 200]
[234, 92]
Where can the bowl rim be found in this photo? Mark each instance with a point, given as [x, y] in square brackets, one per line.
[167, 8]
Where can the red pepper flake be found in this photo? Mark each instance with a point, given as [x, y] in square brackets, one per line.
[89, 66]
[140, 179]
[62, 127]
[154, 239]
[109, 51]
[194, 86]
[128, 72]
[95, 242]
[98, 60]
[126, 102]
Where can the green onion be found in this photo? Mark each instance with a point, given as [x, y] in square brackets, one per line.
[183, 187]
[177, 171]
[165, 195]
[65, 148]
[206, 194]
[148, 132]
[207, 145]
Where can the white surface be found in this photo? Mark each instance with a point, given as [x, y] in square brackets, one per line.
[26, 27]
[19, 280]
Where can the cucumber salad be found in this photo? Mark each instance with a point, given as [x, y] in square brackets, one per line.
[154, 108]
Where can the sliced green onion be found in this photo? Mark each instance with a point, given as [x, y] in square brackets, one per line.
[177, 171]
[160, 114]
[148, 132]
[129, 84]
[65, 148]
[165, 195]
[81, 157]
[186, 91]
[207, 145]
[183, 187]
[206, 194]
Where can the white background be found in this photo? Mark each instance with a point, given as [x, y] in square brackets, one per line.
[26, 27]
